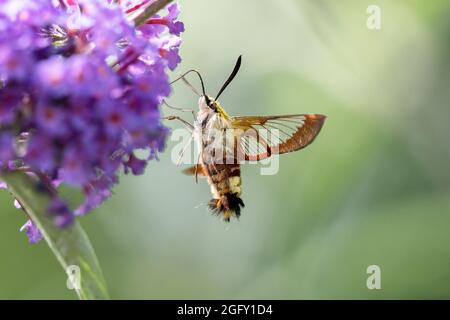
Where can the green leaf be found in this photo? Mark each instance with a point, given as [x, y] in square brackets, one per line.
[70, 245]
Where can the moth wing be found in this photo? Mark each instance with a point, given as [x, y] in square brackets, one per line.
[263, 136]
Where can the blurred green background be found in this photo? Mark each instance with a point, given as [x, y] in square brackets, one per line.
[373, 189]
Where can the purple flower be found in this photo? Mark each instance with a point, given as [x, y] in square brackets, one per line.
[175, 27]
[10, 99]
[83, 88]
[6, 147]
[136, 165]
[170, 51]
[32, 232]
[61, 214]
[40, 153]
[50, 77]
[96, 192]
[170, 21]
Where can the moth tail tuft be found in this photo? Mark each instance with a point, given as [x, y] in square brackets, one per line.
[229, 205]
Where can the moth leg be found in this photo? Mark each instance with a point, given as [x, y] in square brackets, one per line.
[196, 166]
[180, 156]
[180, 109]
[186, 123]
[186, 82]
[183, 78]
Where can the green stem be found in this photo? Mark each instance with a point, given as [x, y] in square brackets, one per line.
[70, 245]
[150, 11]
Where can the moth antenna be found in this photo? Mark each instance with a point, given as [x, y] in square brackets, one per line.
[233, 74]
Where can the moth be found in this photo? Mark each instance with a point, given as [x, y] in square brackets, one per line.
[225, 142]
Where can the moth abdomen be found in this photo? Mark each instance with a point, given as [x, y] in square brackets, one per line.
[225, 181]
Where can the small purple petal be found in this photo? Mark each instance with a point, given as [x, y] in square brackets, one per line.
[32, 232]
[136, 165]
